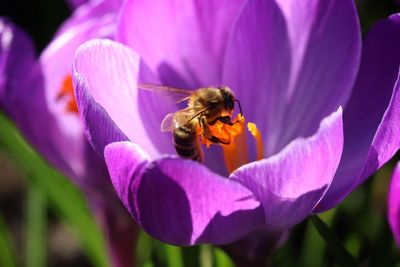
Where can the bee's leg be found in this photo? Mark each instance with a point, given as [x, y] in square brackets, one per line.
[227, 120]
[218, 141]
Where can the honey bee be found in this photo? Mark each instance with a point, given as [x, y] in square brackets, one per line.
[205, 107]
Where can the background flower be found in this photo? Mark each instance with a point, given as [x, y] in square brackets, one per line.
[37, 94]
[394, 204]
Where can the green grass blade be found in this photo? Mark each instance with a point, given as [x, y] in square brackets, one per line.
[222, 259]
[62, 196]
[206, 256]
[333, 243]
[313, 247]
[36, 228]
[7, 258]
[173, 256]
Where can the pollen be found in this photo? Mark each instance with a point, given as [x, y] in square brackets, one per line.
[236, 152]
[252, 127]
[66, 93]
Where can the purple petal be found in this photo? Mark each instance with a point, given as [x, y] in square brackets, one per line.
[373, 112]
[182, 41]
[394, 204]
[290, 183]
[17, 58]
[326, 47]
[76, 3]
[105, 75]
[22, 96]
[67, 136]
[180, 201]
[257, 65]
[90, 10]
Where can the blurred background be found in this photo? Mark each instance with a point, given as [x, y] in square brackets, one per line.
[32, 228]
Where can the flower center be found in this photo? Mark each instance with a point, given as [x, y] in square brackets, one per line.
[66, 93]
[236, 152]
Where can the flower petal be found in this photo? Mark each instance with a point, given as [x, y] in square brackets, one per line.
[17, 57]
[257, 65]
[299, 66]
[394, 204]
[76, 3]
[22, 94]
[105, 74]
[371, 117]
[290, 183]
[55, 65]
[182, 41]
[89, 10]
[325, 42]
[180, 201]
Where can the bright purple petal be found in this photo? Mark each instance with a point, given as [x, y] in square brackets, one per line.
[180, 201]
[90, 10]
[182, 41]
[290, 183]
[257, 65]
[394, 204]
[326, 47]
[371, 127]
[105, 75]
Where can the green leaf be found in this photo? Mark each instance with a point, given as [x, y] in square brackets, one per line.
[206, 256]
[333, 243]
[222, 259]
[173, 256]
[7, 258]
[36, 228]
[313, 246]
[62, 196]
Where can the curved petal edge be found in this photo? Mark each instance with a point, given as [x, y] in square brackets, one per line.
[291, 183]
[181, 202]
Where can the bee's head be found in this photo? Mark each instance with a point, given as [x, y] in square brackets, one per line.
[229, 98]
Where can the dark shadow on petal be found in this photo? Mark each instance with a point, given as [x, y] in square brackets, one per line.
[163, 208]
[170, 77]
[221, 226]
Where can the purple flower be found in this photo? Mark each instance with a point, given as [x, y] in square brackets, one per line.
[292, 64]
[394, 204]
[38, 95]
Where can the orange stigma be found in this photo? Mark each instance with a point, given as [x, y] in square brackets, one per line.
[236, 152]
[67, 92]
[252, 127]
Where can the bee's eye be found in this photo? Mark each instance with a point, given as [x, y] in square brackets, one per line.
[213, 103]
[230, 103]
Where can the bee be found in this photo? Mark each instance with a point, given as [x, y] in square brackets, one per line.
[205, 107]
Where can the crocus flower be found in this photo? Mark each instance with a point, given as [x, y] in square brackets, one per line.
[38, 96]
[394, 204]
[325, 107]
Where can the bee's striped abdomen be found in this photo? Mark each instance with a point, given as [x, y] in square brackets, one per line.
[186, 144]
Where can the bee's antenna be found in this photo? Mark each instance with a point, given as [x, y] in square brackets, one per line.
[240, 107]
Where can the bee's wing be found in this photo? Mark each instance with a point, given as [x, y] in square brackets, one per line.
[180, 118]
[168, 123]
[179, 95]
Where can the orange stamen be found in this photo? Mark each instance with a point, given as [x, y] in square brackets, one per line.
[67, 92]
[236, 153]
[251, 126]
